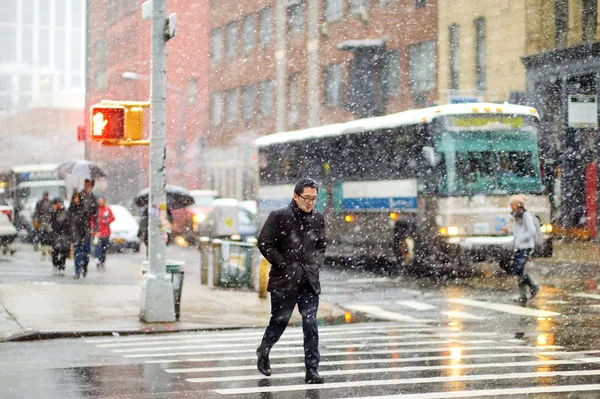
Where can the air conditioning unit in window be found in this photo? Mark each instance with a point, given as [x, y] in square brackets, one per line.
[324, 29]
[363, 14]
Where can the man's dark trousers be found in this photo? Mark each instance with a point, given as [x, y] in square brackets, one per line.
[282, 306]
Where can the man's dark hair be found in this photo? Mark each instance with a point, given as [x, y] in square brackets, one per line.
[306, 182]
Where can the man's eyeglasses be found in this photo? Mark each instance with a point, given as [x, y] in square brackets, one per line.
[309, 199]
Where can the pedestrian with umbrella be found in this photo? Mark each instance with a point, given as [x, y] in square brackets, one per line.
[177, 198]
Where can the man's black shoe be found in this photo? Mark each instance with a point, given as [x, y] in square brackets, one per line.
[263, 364]
[313, 377]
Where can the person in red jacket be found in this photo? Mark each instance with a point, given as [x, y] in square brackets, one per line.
[102, 237]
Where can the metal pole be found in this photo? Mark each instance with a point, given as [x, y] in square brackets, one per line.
[204, 259]
[157, 290]
[86, 142]
[280, 64]
[181, 145]
[312, 63]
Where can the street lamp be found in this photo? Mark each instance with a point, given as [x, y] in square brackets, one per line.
[181, 143]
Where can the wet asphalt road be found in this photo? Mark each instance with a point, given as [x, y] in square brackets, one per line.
[430, 337]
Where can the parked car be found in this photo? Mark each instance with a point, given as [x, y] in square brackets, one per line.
[8, 232]
[230, 219]
[188, 220]
[124, 230]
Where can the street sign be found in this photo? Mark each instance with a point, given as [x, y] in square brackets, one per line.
[582, 111]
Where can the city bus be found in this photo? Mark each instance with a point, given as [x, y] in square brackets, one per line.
[423, 189]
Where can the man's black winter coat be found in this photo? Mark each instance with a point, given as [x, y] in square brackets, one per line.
[294, 243]
[81, 215]
[61, 230]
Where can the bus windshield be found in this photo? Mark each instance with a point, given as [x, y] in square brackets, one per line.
[502, 161]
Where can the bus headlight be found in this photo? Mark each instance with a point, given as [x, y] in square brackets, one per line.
[449, 231]
[546, 228]
[452, 230]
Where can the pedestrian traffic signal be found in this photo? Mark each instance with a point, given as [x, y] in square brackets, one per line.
[107, 122]
[133, 123]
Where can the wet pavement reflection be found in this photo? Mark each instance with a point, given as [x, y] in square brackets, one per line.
[432, 337]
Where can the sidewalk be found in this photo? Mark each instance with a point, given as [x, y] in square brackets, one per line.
[47, 310]
[580, 252]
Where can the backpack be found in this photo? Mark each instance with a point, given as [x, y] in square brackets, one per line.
[538, 238]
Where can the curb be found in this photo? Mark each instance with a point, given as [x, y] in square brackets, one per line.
[47, 335]
[158, 328]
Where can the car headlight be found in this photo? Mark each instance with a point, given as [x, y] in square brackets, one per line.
[546, 228]
[449, 231]
[199, 218]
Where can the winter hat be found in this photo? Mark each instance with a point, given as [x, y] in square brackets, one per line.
[518, 199]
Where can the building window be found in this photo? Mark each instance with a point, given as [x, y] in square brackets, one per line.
[420, 3]
[390, 74]
[216, 109]
[357, 6]
[296, 16]
[480, 54]
[26, 46]
[100, 50]
[8, 41]
[265, 98]
[100, 80]
[77, 13]
[191, 91]
[43, 47]
[216, 45]
[421, 66]
[232, 100]
[6, 89]
[561, 22]
[334, 10]
[26, 12]
[131, 5]
[43, 12]
[248, 32]
[60, 57]
[589, 15]
[454, 38]
[231, 29]
[248, 102]
[76, 49]
[265, 20]
[333, 84]
[294, 100]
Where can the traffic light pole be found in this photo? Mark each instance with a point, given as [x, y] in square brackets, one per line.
[157, 291]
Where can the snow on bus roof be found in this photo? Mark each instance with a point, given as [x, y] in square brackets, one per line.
[43, 167]
[410, 117]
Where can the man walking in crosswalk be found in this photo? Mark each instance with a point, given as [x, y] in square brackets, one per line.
[293, 241]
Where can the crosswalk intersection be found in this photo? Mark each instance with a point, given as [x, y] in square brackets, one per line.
[401, 359]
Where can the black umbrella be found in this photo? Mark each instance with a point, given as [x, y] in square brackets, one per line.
[177, 197]
[84, 170]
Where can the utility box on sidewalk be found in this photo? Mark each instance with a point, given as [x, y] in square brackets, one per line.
[175, 269]
[236, 264]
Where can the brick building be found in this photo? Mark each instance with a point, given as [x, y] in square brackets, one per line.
[563, 60]
[480, 49]
[280, 65]
[118, 42]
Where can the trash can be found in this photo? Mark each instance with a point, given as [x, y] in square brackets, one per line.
[236, 264]
[175, 269]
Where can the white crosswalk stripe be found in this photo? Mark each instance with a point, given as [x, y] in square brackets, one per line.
[386, 359]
